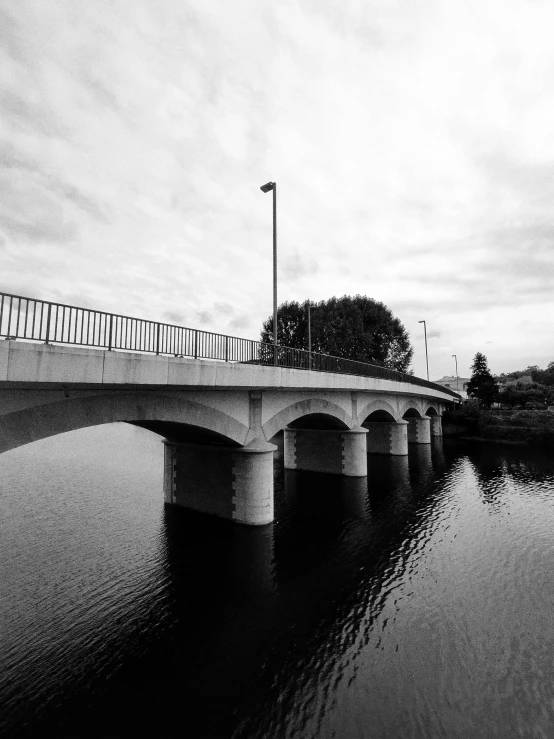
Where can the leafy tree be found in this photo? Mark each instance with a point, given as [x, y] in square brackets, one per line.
[511, 396]
[521, 396]
[355, 327]
[544, 377]
[510, 376]
[482, 384]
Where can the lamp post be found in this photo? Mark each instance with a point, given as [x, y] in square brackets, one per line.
[309, 329]
[456, 360]
[267, 188]
[426, 355]
[309, 335]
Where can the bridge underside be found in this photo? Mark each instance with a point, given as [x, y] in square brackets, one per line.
[236, 482]
[217, 447]
[217, 434]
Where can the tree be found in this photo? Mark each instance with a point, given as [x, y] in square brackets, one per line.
[511, 396]
[544, 377]
[355, 327]
[482, 384]
[505, 377]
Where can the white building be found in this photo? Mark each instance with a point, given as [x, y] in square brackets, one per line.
[459, 384]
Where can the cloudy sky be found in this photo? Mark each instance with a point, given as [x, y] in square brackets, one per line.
[412, 142]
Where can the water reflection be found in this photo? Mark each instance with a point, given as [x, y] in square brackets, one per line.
[421, 462]
[437, 453]
[501, 470]
[353, 492]
[401, 604]
[354, 582]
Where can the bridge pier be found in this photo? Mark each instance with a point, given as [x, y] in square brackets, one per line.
[387, 437]
[436, 425]
[232, 483]
[419, 430]
[342, 452]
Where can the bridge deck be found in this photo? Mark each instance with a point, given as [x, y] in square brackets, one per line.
[47, 365]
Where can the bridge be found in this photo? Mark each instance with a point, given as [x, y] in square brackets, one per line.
[217, 401]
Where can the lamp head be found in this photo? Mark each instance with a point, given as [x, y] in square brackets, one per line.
[267, 187]
[421, 321]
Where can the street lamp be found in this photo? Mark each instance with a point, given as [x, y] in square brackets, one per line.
[309, 334]
[456, 360]
[426, 355]
[267, 188]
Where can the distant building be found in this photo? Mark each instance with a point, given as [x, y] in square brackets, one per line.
[450, 382]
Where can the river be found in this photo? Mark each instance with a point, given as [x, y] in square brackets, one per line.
[418, 602]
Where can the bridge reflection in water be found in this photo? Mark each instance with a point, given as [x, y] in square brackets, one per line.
[361, 611]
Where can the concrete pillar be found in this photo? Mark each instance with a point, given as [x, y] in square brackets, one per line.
[436, 425]
[399, 438]
[419, 430]
[232, 483]
[341, 452]
[354, 452]
[253, 484]
[170, 472]
[387, 437]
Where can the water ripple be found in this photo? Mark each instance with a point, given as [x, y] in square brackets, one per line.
[415, 604]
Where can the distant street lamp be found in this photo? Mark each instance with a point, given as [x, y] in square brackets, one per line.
[456, 360]
[426, 355]
[267, 188]
[309, 335]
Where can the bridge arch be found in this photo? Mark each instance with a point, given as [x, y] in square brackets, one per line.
[432, 410]
[411, 408]
[337, 417]
[379, 406]
[379, 417]
[412, 413]
[151, 411]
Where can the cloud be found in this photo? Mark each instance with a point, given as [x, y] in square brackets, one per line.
[105, 96]
[48, 229]
[9, 37]
[28, 212]
[408, 169]
[224, 308]
[175, 317]
[298, 265]
[239, 323]
[204, 318]
[29, 115]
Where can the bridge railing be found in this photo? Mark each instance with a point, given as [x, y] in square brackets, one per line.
[40, 320]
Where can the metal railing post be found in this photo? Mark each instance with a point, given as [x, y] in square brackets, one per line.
[196, 343]
[110, 336]
[158, 340]
[48, 323]
[226, 348]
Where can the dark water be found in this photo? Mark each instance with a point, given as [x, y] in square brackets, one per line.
[416, 603]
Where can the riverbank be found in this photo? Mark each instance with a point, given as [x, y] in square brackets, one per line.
[501, 425]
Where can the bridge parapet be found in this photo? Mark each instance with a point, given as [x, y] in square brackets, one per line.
[52, 365]
[42, 321]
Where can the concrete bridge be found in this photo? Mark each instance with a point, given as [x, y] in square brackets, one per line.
[217, 418]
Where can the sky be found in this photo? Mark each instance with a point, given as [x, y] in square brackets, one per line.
[412, 142]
